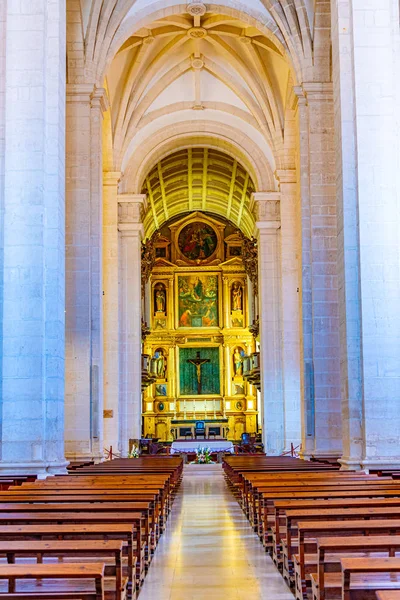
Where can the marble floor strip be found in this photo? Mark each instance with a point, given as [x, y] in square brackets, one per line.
[209, 551]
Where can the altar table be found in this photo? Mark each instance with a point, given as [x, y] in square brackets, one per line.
[193, 445]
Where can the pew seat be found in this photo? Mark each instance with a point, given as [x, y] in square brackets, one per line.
[56, 582]
[109, 551]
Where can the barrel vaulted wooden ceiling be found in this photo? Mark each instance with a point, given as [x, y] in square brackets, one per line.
[198, 179]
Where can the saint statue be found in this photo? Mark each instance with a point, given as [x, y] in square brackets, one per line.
[160, 364]
[238, 362]
[160, 298]
[237, 296]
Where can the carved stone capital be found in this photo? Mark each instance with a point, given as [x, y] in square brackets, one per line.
[99, 99]
[79, 92]
[267, 206]
[286, 175]
[111, 178]
[131, 208]
[318, 92]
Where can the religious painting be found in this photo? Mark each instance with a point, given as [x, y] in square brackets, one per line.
[160, 322]
[235, 251]
[237, 389]
[161, 390]
[197, 241]
[199, 371]
[198, 300]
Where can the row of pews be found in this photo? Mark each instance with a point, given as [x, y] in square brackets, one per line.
[334, 535]
[88, 535]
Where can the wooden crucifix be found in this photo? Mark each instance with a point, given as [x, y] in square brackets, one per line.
[198, 362]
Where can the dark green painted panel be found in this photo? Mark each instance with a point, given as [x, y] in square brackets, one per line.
[210, 378]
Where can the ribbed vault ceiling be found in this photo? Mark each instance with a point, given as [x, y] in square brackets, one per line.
[198, 179]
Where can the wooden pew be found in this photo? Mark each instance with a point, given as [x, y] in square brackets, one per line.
[330, 549]
[316, 491]
[317, 502]
[362, 577]
[309, 531]
[123, 532]
[388, 595]
[292, 517]
[33, 581]
[75, 549]
[58, 518]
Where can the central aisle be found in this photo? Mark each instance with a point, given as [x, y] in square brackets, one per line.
[209, 551]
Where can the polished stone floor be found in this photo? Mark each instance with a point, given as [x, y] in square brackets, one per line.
[209, 551]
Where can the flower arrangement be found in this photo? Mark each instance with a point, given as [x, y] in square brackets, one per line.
[134, 453]
[203, 456]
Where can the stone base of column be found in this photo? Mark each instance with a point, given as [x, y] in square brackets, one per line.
[40, 468]
[309, 454]
[375, 464]
[84, 457]
[348, 464]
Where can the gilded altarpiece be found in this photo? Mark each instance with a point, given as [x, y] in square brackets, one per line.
[199, 319]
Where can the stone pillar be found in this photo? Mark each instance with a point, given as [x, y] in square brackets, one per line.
[290, 268]
[130, 207]
[110, 310]
[84, 341]
[32, 237]
[366, 60]
[269, 282]
[320, 318]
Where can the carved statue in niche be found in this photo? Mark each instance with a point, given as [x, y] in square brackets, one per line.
[160, 298]
[161, 363]
[238, 361]
[237, 296]
[237, 316]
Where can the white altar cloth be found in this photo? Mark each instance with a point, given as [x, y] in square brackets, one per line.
[192, 445]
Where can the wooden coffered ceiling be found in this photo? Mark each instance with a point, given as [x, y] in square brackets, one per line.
[198, 179]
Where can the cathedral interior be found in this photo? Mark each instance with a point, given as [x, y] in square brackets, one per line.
[199, 217]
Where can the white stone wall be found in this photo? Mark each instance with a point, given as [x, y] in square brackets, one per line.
[32, 134]
[111, 310]
[84, 340]
[320, 321]
[366, 65]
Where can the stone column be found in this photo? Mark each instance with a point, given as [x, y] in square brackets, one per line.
[130, 207]
[320, 318]
[290, 268]
[110, 310]
[269, 282]
[84, 327]
[366, 60]
[32, 200]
